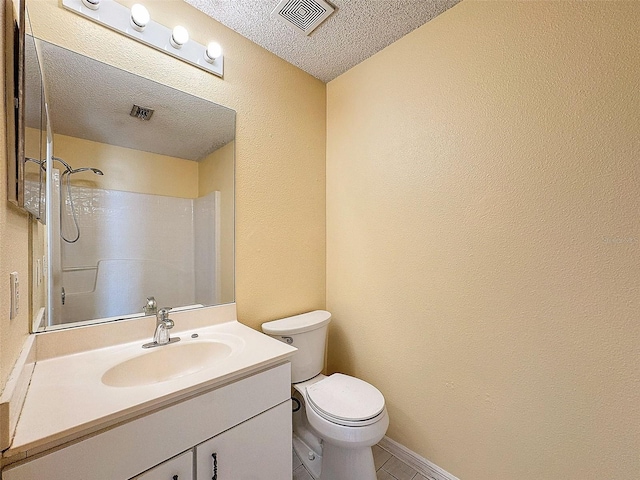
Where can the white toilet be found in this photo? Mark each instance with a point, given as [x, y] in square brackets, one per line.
[339, 417]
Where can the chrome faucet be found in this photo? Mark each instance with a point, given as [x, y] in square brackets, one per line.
[161, 335]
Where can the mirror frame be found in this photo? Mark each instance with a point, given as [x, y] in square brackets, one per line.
[15, 13]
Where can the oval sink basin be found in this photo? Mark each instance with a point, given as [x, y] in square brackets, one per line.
[166, 363]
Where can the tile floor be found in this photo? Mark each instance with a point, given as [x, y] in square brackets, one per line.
[387, 466]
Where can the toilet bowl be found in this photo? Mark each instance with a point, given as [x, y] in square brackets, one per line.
[340, 417]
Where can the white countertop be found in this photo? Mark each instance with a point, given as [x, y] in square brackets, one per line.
[67, 399]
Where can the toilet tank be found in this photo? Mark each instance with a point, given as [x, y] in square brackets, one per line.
[308, 333]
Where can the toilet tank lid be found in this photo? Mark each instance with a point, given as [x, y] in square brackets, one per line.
[304, 322]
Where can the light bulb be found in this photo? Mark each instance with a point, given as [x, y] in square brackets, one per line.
[213, 51]
[139, 17]
[91, 4]
[179, 37]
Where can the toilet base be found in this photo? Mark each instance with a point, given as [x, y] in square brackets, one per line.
[336, 463]
[326, 461]
[311, 459]
[347, 463]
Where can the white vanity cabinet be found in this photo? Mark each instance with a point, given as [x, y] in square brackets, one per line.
[249, 451]
[246, 424]
[178, 468]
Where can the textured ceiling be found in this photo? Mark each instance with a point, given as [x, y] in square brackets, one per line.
[356, 30]
[91, 100]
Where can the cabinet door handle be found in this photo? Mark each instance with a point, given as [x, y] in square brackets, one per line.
[214, 456]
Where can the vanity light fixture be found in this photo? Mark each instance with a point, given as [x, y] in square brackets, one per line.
[179, 36]
[136, 23]
[91, 4]
[139, 17]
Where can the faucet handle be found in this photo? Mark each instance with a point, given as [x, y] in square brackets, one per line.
[163, 314]
[151, 307]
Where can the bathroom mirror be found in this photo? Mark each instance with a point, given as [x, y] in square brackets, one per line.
[35, 134]
[139, 194]
[14, 38]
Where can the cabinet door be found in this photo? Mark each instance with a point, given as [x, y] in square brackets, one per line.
[257, 449]
[178, 468]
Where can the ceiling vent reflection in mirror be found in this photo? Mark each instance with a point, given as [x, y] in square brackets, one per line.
[143, 113]
[303, 15]
[136, 23]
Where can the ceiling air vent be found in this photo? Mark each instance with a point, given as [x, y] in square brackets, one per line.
[304, 15]
[143, 113]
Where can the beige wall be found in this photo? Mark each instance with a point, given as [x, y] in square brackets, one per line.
[14, 249]
[483, 244]
[215, 173]
[280, 148]
[128, 170]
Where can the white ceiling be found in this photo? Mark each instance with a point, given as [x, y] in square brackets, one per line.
[355, 31]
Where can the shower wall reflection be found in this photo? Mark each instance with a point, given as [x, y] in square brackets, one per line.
[124, 254]
[119, 246]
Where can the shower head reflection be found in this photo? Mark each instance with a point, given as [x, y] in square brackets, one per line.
[97, 171]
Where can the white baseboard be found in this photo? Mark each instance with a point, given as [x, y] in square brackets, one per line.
[415, 461]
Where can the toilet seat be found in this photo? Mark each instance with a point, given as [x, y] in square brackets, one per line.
[345, 400]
